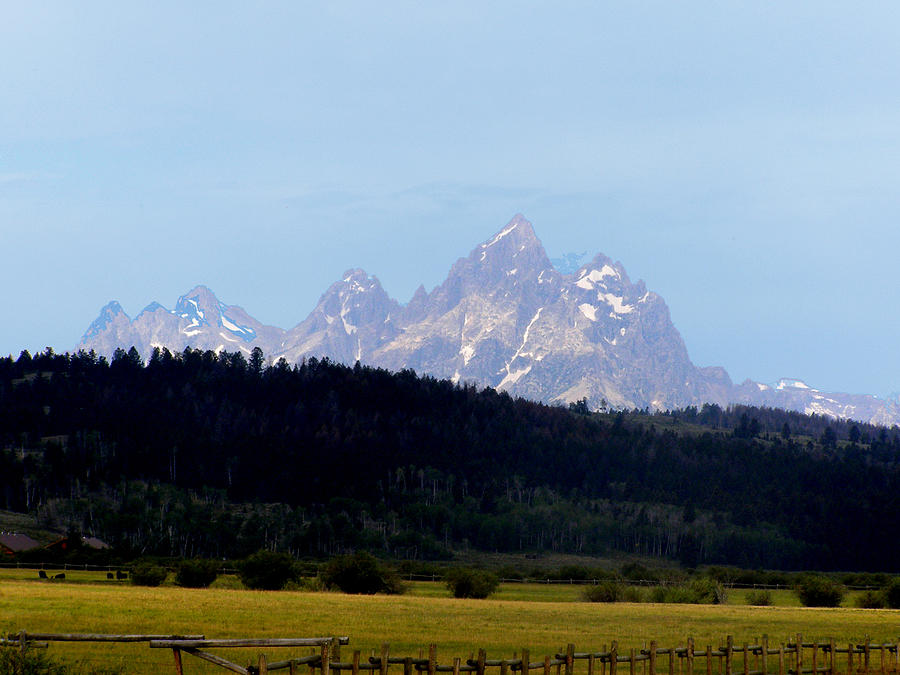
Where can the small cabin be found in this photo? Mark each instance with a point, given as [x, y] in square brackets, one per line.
[12, 543]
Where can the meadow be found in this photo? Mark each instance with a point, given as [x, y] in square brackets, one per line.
[542, 618]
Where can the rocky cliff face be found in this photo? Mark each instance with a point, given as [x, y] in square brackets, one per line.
[504, 317]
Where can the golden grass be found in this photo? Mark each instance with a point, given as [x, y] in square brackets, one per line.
[409, 623]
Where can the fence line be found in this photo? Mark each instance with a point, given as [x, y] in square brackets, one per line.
[758, 658]
[436, 577]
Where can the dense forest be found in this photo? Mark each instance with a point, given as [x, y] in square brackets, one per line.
[198, 453]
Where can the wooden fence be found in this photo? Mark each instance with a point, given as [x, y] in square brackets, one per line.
[757, 658]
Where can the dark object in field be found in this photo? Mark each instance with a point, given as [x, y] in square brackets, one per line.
[61, 575]
[121, 575]
[196, 573]
[464, 582]
[109, 575]
[42, 574]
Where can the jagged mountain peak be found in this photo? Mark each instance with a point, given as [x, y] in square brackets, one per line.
[153, 307]
[199, 301]
[110, 314]
[515, 242]
[359, 280]
[504, 316]
[112, 308]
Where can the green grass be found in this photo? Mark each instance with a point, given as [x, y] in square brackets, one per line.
[548, 620]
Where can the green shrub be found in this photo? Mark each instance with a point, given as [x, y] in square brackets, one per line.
[632, 594]
[464, 582]
[360, 573]
[266, 571]
[306, 584]
[892, 594]
[196, 573]
[148, 573]
[14, 661]
[606, 591]
[870, 600]
[759, 598]
[702, 591]
[818, 591]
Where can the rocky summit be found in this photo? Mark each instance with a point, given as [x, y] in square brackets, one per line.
[504, 317]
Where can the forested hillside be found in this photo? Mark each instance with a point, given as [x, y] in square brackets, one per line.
[198, 453]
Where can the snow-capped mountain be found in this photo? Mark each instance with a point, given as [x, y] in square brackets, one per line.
[795, 394]
[199, 320]
[504, 317]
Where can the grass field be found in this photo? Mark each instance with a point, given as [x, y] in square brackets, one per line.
[542, 618]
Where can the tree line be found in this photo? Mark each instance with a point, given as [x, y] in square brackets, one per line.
[213, 454]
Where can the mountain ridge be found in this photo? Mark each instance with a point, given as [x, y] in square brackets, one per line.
[503, 317]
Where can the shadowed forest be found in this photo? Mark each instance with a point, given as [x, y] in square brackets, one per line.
[218, 455]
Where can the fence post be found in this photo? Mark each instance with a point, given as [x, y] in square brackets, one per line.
[708, 659]
[831, 657]
[764, 666]
[781, 659]
[850, 649]
[177, 654]
[336, 648]
[432, 658]
[482, 657]
[729, 654]
[866, 653]
[613, 658]
[385, 653]
[547, 665]
[799, 654]
[690, 656]
[407, 666]
[652, 657]
[632, 662]
[883, 665]
[526, 661]
[815, 658]
[263, 665]
[746, 659]
[590, 660]
[326, 659]
[456, 666]
[570, 658]
[354, 666]
[672, 657]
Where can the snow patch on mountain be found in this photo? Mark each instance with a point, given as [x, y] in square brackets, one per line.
[791, 383]
[616, 302]
[589, 311]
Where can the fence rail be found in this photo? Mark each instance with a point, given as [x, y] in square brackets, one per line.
[757, 658]
[436, 577]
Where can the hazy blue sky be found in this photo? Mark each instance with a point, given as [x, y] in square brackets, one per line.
[743, 158]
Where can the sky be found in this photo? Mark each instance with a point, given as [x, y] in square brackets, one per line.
[742, 158]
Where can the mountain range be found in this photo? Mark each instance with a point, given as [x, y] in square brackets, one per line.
[504, 317]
